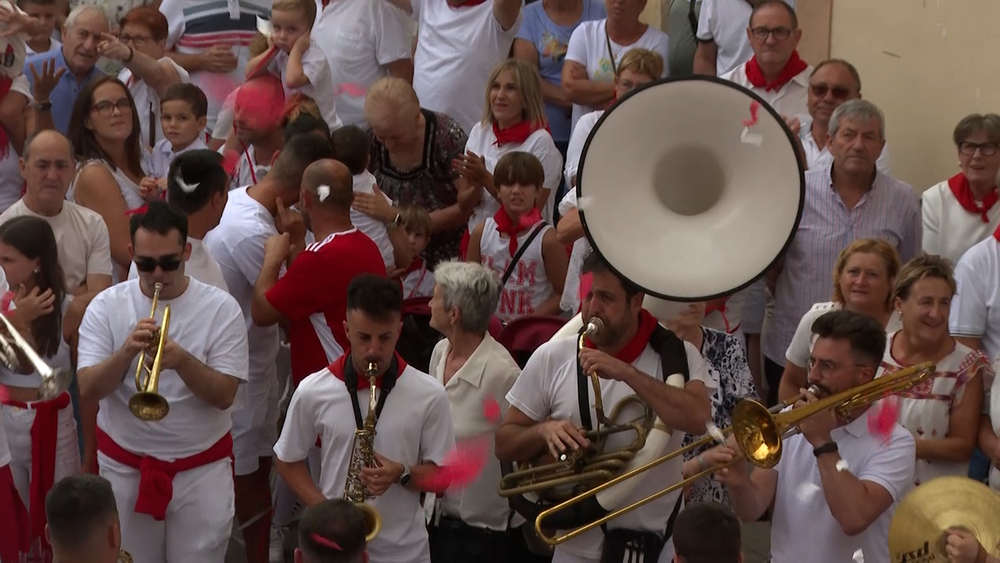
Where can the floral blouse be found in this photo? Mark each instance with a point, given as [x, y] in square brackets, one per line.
[430, 185]
[725, 353]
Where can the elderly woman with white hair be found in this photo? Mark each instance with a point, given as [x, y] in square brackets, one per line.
[477, 372]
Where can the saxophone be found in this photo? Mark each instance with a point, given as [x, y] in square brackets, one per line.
[363, 455]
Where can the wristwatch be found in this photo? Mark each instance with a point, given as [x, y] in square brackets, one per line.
[404, 479]
[827, 448]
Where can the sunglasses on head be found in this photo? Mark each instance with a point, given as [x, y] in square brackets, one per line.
[167, 264]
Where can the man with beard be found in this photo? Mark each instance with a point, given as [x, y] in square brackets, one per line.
[312, 296]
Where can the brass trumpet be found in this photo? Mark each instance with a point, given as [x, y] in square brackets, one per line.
[758, 433]
[147, 404]
[363, 455]
[54, 381]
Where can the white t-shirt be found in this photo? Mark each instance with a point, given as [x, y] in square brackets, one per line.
[414, 428]
[975, 309]
[147, 101]
[248, 171]
[528, 285]
[376, 230]
[483, 142]
[821, 158]
[205, 322]
[360, 37]
[589, 46]
[790, 100]
[61, 359]
[577, 141]
[725, 22]
[81, 240]
[457, 49]
[570, 300]
[950, 230]
[799, 496]
[320, 88]
[11, 182]
[164, 154]
[803, 340]
[200, 266]
[547, 388]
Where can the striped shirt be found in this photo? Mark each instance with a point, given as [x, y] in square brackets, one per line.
[890, 211]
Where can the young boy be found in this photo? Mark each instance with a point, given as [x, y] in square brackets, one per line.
[372, 212]
[183, 113]
[45, 11]
[533, 283]
[417, 280]
[299, 62]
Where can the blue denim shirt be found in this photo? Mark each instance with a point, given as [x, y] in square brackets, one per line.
[64, 94]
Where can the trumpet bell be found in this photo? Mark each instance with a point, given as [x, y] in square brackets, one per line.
[150, 407]
[757, 433]
[373, 520]
[55, 384]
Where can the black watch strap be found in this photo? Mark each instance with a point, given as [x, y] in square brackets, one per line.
[827, 448]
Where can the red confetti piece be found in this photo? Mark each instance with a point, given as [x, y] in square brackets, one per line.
[351, 89]
[461, 467]
[4, 394]
[491, 409]
[754, 106]
[217, 86]
[883, 417]
[229, 161]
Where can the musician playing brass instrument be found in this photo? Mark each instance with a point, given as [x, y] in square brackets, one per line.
[411, 424]
[165, 382]
[632, 355]
[833, 489]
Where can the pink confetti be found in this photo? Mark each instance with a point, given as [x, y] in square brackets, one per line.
[351, 89]
[229, 161]
[461, 467]
[754, 106]
[4, 394]
[883, 417]
[491, 409]
[260, 101]
[217, 86]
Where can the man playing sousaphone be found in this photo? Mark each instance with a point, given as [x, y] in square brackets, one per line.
[552, 407]
[171, 470]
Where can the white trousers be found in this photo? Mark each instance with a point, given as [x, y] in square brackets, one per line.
[17, 423]
[199, 517]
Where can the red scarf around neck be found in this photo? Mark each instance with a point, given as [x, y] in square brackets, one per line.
[517, 133]
[337, 369]
[507, 226]
[792, 69]
[633, 349]
[959, 186]
[417, 263]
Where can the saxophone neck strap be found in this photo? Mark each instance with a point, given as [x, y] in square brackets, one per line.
[351, 381]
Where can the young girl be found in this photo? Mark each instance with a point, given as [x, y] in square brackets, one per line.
[517, 245]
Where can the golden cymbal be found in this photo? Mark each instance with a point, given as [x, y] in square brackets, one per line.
[917, 531]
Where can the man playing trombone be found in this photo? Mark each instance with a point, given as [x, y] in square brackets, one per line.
[831, 492]
[166, 450]
[552, 407]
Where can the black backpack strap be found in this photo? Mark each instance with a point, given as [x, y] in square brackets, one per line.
[672, 351]
[583, 391]
[520, 251]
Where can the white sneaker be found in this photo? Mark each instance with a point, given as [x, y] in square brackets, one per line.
[276, 550]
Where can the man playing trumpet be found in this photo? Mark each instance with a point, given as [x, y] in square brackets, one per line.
[172, 476]
[552, 407]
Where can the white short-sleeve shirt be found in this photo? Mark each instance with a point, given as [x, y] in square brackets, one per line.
[164, 153]
[376, 230]
[320, 88]
[950, 230]
[483, 142]
[577, 141]
[725, 22]
[790, 100]
[975, 309]
[803, 340]
[547, 388]
[204, 321]
[414, 428]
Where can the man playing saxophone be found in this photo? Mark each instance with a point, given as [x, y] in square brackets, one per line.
[552, 406]
[171, 471]
[832, 491]
[412, 426]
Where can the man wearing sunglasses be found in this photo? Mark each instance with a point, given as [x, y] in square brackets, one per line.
[172, 478]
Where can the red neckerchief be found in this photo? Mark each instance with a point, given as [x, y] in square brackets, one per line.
[631, 351]
[959, 185]
[712, 307]
[506, 226]
[417, 263]
[5, 83]
[756, 76]
[337, 369]
[517, 133]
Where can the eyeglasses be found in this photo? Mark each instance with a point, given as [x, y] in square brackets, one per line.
[986, 149]
[821, 90]
[137, 40]
[779, 33]
[167, 264]
[105, 108]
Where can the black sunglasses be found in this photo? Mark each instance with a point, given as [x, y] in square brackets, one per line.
[167, 264]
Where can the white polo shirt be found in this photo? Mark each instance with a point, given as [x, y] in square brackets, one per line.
[802, 526]
[821, 158]
[950, 230]
[488, 375]
[204, 321]
[200, 266]
[414, 428]
[975, 309]
[802, 342]
[725, 22]
[547, 388]
[790, 100]
[163, 154]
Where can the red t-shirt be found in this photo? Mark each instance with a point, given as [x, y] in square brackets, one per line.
[313, 295]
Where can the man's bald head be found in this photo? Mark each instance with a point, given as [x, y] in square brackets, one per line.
[334, 176]
[49, 138]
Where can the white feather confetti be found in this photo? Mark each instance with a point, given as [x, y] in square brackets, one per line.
[184, 186]
[264, 27]
[714, 431]
[806, 491]
[842, 466]
[323, 192]
[755, 139]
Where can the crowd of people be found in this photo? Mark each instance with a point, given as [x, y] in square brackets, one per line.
[255, 212]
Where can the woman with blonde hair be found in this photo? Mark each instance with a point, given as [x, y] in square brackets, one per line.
[863, 279]
[942, 412]
[514, 120]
